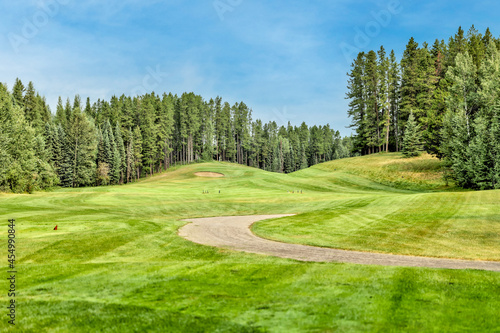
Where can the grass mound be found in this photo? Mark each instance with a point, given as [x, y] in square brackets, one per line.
[424, 172]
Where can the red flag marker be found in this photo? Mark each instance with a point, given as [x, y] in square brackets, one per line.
[55, 228]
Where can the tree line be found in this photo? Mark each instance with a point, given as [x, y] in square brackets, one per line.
[127, 138]
[448, 91]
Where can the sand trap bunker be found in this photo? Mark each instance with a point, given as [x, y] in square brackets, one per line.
[209, 174]
[233, 232]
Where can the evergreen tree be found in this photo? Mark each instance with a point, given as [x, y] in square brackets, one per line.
[54, 146]
[115, 158]
[137, 151]
[384, 98]
[463, 89]
[130, 156]
[82, 149]
[104, 147]
[475, 46]
[77, 102]
[120, 146]
[372, 82]
[165, 130]
[60, 118]
[65, 170]
[29, 103]
[357, 104]
[88, 109]
[495, 147]
[18, 93]
[457, 44]
[480, 164]
[412, 145]
[394, 97]
[68, 111]
[489, 81]
[230, 144]
[148, 134]
[454, 146]
[409, 83]
[208, 131]
[25, 164]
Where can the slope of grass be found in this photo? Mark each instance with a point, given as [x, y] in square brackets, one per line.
[419, 173]
[116, 264]
[449, 225]
[426, 222]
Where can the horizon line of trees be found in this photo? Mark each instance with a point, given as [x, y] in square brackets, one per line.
[452, 92]
[127, 138]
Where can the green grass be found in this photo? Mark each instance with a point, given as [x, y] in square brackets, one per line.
[419, 173]
[116, 264]
[428, 222]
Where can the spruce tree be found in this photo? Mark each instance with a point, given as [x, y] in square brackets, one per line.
[60, 118]
[164, 130]
[65, 170]
[454, 146]
[495, 147]
[148, 132]
[68, 111]
[137, 152]
[18, 93]
[489, 81]
[130, 156]
[115, 159]
[6, 116]
[480, 163]
[82, 149]
[120, 146]
[104, 147]
[412, 145]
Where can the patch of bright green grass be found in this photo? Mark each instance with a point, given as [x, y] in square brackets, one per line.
[116, 264]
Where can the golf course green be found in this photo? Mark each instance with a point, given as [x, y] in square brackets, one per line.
[117, 264]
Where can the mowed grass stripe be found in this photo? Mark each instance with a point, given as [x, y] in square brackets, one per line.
[116, 264]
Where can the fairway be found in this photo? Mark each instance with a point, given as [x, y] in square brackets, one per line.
[117, 263]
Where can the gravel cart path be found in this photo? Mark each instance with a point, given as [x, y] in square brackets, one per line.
[233, 232]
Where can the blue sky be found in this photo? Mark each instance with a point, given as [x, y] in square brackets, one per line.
[287, 60]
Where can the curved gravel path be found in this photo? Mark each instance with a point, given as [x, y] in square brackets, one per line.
[233, 232]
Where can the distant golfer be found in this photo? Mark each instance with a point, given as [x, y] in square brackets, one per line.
[55, 227]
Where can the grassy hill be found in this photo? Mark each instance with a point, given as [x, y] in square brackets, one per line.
[116, 264]
[418, 173]
[425, 222]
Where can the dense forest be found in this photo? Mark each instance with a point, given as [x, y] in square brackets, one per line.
[127, 138]
[444, 98]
